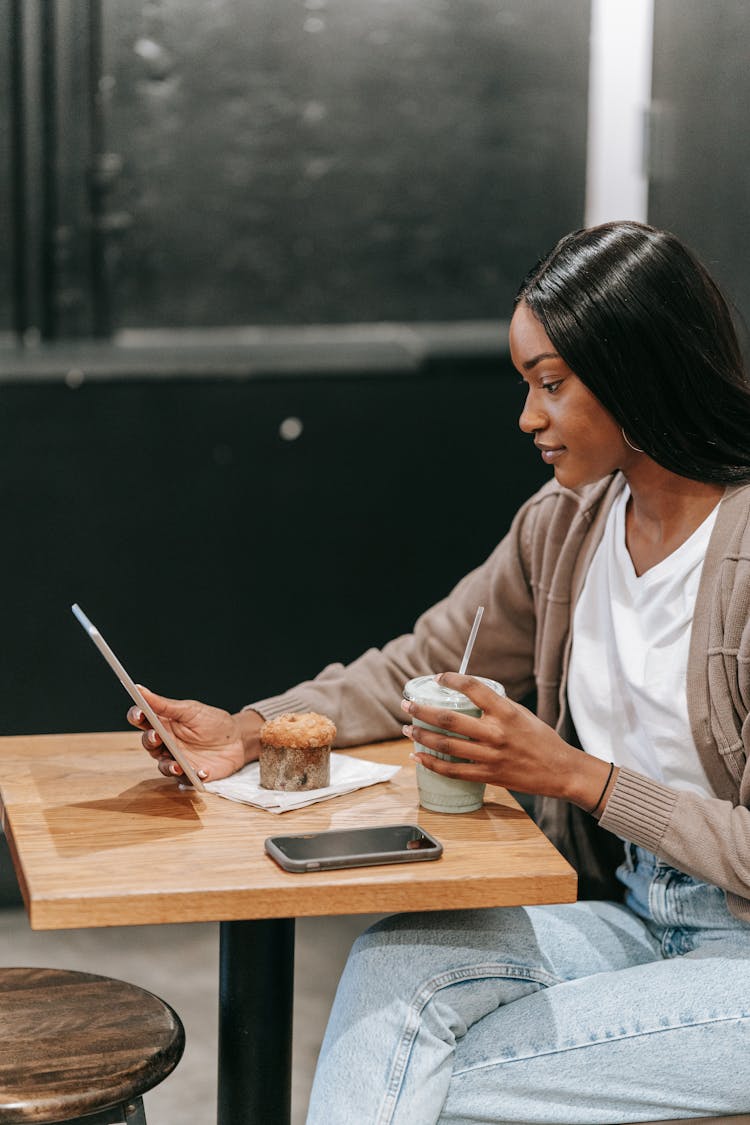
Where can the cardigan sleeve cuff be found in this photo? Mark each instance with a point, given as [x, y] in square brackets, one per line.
[279, 704]
[638, 809]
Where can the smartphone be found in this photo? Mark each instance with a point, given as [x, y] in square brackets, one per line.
[353, 847]
[132, 689]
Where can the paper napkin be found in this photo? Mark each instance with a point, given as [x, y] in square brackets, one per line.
[347, 774]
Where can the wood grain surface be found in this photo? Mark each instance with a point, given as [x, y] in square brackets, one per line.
[99, 838]
[74, 1043]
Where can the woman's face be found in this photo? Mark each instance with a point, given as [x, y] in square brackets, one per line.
[570, 427]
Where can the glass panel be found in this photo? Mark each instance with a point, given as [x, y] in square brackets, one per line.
[302, 161]
[700, 173]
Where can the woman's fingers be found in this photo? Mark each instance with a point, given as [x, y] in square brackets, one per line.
[136, 718]
[465, 771]
[152, 742]
[170, 711]
[169, 767]
[446, 744]
[150, 739]
[479, 693]
[482, 741]
[450, 721]
[497, 711]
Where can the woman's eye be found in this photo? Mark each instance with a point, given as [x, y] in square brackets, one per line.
[552, 388]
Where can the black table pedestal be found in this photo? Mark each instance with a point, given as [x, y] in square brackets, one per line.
[256, 992]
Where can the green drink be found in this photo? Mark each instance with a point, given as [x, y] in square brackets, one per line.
[436, 792]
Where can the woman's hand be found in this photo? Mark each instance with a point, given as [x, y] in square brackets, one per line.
[508, 746]
[216, 742]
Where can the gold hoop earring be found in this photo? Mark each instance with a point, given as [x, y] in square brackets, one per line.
[626, 439]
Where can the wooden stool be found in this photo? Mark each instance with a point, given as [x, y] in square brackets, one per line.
[80, 1048]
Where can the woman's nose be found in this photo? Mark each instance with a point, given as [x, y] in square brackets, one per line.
[531, 418]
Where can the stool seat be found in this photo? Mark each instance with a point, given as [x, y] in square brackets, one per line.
[73, 1044]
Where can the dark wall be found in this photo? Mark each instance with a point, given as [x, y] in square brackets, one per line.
[221, 561]
[700, 183]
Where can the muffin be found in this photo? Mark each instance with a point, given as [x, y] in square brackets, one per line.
[295, 751]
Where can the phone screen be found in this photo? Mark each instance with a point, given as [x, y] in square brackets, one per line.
[396, 843]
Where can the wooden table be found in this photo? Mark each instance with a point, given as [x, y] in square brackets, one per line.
[98, 838]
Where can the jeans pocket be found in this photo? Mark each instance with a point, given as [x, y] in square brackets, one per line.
[629, 857]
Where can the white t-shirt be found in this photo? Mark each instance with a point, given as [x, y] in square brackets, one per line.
[628, 666]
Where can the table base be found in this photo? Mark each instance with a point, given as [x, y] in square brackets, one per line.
[256, 994]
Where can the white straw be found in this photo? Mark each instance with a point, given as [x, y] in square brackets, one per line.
[470, 642]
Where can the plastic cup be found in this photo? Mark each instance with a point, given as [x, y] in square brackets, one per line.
[436, 792]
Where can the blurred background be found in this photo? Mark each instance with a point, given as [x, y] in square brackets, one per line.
[257, 266]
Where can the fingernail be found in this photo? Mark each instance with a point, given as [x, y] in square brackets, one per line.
[408, 731]
[406, 705]
[438, 678]
[173, 769]
[202, 774]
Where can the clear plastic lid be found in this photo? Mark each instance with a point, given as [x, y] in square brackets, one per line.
[423, 689]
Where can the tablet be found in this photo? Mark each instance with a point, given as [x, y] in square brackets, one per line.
[137, 696]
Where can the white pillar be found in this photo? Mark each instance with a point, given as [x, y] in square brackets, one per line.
[619, 99]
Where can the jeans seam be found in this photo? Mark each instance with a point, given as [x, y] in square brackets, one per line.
[614, 1038]
[423, 997]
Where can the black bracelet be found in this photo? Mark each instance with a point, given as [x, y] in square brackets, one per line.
[604, 790]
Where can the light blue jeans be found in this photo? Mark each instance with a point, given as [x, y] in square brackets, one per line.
[587, 1012]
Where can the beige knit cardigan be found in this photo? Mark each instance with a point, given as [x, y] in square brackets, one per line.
[529, 586]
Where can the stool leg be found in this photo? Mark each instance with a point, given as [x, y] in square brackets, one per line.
[135, 1114]
[130, 1112]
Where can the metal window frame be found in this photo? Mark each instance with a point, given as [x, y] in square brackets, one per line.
[60, 173]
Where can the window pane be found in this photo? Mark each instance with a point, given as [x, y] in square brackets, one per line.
[700, 174]
[302, 161]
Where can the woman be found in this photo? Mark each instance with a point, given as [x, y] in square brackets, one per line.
[622, 595]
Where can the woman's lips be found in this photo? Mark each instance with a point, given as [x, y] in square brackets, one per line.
[550, 454]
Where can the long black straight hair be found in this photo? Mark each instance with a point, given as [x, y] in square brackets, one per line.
[641, 322]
